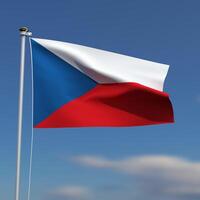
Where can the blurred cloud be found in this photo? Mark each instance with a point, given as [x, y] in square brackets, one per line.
[158, 177]
[70, 192]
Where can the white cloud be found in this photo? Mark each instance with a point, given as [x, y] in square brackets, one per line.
[156, 175]
[71, 192]
[93, 161]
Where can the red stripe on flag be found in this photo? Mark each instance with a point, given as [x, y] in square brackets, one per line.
[118, 104]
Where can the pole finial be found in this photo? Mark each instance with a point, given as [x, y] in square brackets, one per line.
[25, 31]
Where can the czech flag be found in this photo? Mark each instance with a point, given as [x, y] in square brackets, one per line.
[79, 86]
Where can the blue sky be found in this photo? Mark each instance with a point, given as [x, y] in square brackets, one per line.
[104, 163]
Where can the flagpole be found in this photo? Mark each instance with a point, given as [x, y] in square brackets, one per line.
[24, 32]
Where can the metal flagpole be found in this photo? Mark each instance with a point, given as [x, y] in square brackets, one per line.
[24, 32]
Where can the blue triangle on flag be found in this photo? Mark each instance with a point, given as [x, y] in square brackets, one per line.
[55, 82]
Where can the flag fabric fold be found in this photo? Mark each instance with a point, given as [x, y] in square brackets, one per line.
[79, 86]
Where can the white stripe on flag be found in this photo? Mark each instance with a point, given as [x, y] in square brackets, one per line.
[108, 67]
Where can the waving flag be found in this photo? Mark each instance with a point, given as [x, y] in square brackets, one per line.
[79, 86]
